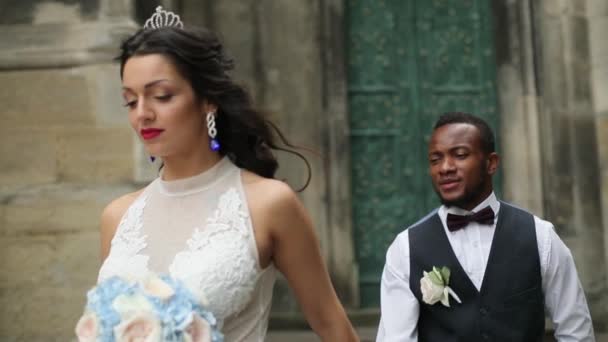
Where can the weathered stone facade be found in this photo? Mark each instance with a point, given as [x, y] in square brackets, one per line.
[65, 152]
[552, 66]
[66, 149]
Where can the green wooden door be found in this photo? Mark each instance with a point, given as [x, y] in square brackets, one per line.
[408, 62]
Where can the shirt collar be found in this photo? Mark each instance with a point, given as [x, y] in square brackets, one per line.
[491, 201]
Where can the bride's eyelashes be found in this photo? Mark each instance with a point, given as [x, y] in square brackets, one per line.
[161, 98]
[164, 98]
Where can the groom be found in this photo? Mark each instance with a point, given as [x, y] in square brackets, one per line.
[497, 267]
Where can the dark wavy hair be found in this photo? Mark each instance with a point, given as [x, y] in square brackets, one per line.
[245, 135]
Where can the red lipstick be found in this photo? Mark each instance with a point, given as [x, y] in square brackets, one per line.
[150, 133]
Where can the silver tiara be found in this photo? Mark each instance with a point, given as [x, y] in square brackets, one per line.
[163, 18]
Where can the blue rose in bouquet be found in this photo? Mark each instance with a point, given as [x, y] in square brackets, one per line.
[154, 309]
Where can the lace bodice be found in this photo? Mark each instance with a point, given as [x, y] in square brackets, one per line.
[199, 230]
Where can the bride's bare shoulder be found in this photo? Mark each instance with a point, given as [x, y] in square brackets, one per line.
[116, 209]
[266, 189]
[269, 195]
[113, 212]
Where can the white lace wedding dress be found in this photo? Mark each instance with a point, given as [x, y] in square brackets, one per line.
[199, 230]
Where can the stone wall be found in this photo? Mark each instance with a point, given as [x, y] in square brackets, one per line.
[552, 70]
[66, 151]
[570, 52]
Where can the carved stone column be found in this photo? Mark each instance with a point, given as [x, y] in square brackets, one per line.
[569, 53]
[519, 104]
[552, 62]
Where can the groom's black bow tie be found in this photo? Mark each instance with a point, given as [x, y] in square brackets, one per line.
[484, 216]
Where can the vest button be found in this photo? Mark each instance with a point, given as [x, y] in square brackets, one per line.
[483, 311]
[485, 336]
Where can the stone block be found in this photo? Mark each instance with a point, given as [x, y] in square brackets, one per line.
[44, 98]
[56, 208]
[28, 156]
[94, 154]
[599, 46]
[43, 284]
[85, 153]
[599, 82]
[105, 91]
[596, 8]
[577, 41]
[62, 45]
[520, 150]
[576, 8]
[602, 141]
[51, 12]
[89, 95]
[599, 62]
[236, 16]
[555, 83]
[555, 8]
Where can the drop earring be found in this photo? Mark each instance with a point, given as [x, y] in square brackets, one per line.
[214, 145]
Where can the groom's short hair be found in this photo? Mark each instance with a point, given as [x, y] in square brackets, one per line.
[486, 136]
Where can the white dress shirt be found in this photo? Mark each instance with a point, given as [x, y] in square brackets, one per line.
[565, 301]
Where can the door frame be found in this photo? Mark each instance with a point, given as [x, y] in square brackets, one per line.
[515, 79]
[342, 264]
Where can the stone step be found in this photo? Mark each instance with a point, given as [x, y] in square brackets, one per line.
[292, 326]
[366, 334]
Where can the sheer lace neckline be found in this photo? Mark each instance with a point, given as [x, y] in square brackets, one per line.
[196, 183]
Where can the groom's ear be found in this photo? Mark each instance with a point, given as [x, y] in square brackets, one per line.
[492, 162]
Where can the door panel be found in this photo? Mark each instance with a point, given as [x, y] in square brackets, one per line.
[408, 62]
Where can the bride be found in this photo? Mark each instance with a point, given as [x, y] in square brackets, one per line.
[215, 218]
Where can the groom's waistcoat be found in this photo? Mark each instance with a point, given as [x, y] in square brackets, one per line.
[509, 306]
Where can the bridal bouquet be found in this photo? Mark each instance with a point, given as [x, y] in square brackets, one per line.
[154, 309]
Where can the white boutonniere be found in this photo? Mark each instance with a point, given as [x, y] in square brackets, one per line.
[434, 287]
